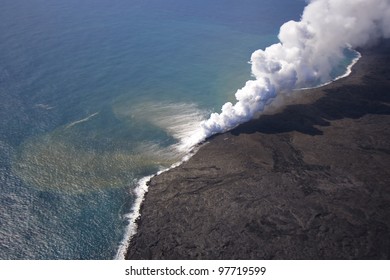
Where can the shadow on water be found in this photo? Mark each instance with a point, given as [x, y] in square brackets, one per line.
[371, 96]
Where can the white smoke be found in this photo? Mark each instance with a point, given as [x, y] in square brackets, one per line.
[306, 54]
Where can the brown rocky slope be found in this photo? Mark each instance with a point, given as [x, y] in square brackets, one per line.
[310, 181]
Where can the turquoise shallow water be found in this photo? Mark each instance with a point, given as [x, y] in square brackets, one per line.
[92, 96]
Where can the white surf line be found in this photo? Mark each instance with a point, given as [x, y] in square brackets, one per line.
[82, 120]
[140, 192]
[346, 74]
[349, 68]
[131, 228]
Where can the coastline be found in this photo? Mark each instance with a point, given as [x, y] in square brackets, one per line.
[292, 184]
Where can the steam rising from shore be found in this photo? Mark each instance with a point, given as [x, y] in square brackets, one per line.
[306, 54]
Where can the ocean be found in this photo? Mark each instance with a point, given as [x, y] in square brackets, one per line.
[96, 94]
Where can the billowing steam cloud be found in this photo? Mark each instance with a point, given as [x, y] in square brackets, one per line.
[306, 54]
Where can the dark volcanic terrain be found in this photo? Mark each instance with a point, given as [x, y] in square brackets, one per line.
[309, 181]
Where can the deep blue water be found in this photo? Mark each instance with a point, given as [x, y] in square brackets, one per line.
[87, 93]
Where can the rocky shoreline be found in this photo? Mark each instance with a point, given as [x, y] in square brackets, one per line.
[310, 180]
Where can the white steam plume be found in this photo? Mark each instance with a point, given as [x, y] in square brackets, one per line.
[307, 52]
